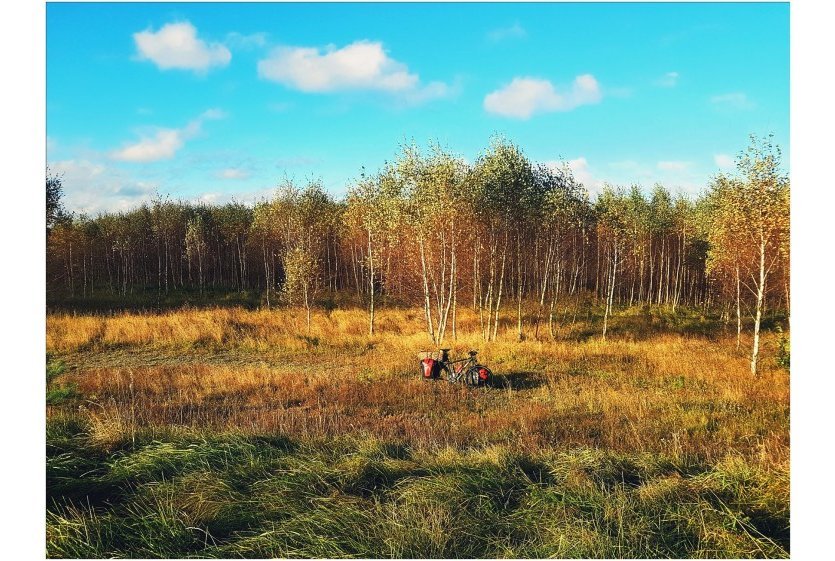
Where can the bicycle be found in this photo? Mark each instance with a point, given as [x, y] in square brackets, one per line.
[466, 370]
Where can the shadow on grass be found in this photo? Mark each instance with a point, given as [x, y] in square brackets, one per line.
[646, 322]
[269, 496]
[522, 380]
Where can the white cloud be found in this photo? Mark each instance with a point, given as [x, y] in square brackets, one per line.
[165, 142]
[222, 197]
[525, 96]
[734, 100]
[624, 173]
[162, 146]
[723, 161]
[362, 65]
[514, 31]
[673, 165]
[668, 80]
[581, 171]
[233, 173]
[176, 45]
[92, 187]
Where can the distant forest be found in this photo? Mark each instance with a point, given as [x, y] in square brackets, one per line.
[430, 230]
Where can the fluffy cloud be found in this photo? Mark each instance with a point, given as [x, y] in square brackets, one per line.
[673, 165]
[525, 96]
[581, 171]
[668, 80]
[248, 197]
[723, 161]
[92, 187]
[162, 146]
[678, 176]
[165, 142]
[362, 65]
[176, 45]
[734, 100]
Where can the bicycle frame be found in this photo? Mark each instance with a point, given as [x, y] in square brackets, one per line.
[456, 374]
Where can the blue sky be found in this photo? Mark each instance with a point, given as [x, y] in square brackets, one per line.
[219, 101]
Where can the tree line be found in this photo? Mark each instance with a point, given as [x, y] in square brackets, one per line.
[431, 230]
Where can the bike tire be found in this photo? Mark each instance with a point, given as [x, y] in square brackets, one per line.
[473, 379]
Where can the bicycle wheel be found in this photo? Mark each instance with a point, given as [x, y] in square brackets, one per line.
[479, 376]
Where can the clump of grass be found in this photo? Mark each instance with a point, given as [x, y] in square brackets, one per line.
[56, 393]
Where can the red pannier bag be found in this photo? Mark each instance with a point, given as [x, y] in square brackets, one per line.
[428, 368]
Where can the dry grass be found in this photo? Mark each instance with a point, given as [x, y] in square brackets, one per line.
[234, 433]
[231, 369]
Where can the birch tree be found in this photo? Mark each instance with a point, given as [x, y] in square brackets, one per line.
[751, 221]
[612, 226]
[369, 211]
[310, 212]
[196, 246]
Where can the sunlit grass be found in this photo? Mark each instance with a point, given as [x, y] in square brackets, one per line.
[224, 432]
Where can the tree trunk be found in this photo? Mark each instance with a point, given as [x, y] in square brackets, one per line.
[266, 273]
[738, 310]
[307, 307]
[501, 284]
[545, 275]
[611, 291]
[518, 288]
[755, 352]
[427, 308]
[371, 287]
[455, 310]
[453, 273]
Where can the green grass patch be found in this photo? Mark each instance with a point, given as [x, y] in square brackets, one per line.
[226, 495]
[56, 392]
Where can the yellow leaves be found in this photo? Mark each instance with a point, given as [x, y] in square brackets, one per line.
[746, 208]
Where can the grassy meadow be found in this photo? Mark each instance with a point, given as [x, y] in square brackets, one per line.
[232, 432]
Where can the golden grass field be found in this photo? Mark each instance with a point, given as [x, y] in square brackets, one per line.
[671, 389]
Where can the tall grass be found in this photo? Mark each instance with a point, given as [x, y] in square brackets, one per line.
[225, 433]
[251, 371]
[227, 495]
